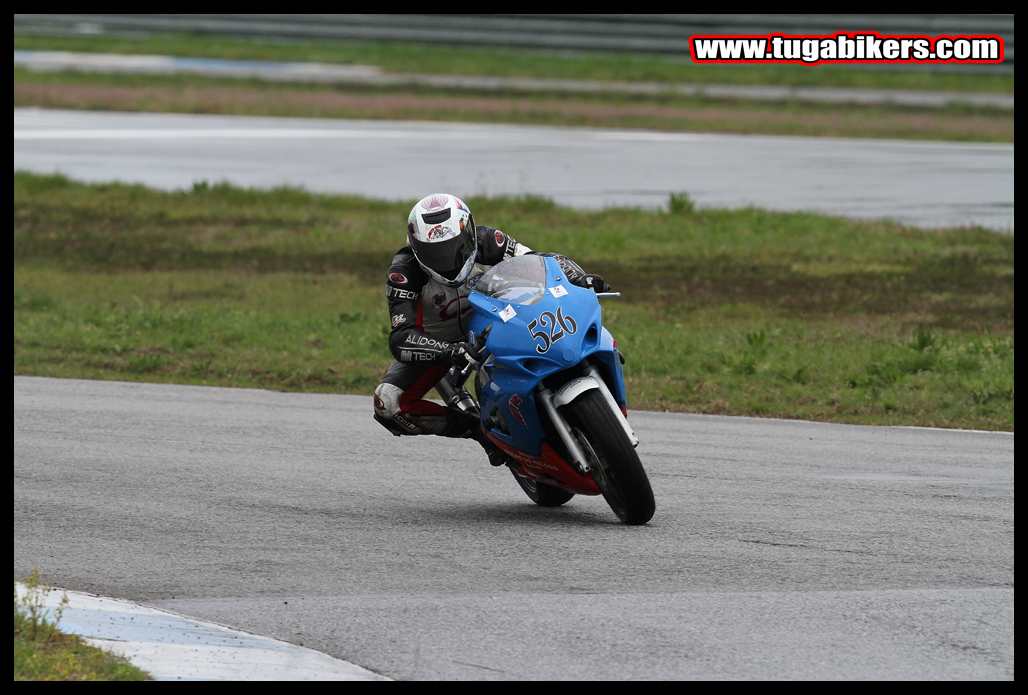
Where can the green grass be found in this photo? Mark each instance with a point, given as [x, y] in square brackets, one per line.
[743, 312]
[434, 58]
[42, 652]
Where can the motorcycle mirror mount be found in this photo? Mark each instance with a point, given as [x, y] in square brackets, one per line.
[480, 343]
[457, 378]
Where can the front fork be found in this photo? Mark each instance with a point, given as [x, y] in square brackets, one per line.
[544, 397]
[594, 371]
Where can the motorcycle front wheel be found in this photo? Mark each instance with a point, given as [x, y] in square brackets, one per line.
[616, 467]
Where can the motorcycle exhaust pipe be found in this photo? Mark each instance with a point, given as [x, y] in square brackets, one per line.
[457, 398]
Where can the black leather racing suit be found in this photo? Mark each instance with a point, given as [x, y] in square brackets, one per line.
[427, 318]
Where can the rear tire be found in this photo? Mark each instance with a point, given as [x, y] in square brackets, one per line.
[617, 470]
[542, 494]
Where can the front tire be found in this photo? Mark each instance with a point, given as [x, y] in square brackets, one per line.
[616, 467]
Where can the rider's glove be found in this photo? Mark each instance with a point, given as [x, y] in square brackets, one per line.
[593, 282]
[461, 354]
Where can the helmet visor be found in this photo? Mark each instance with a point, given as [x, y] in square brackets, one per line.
[446, 251]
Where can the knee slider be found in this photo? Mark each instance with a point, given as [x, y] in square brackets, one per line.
[387, 400]
[387, 411]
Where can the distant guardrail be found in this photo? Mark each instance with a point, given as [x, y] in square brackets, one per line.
[651, 33]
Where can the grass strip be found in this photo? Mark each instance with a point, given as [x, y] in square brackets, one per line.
[42, 652]
[745, 312]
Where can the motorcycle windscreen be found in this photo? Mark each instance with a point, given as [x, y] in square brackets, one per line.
[518, 280]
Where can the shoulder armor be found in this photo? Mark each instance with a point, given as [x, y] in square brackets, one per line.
[495, 246]
[405, 272]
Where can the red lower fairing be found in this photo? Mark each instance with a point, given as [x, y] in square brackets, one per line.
[550, 468]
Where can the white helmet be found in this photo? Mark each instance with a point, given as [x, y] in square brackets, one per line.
[441, 232]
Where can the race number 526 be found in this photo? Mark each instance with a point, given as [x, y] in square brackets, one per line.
[554, 328]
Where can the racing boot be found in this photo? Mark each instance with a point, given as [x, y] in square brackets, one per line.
[495, 453]
[464, 425]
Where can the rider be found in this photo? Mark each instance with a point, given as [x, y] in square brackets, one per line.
[427, 289]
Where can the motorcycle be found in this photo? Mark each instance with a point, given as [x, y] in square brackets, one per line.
[550, 390]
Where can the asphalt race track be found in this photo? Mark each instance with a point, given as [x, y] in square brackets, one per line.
[928, 184]
[779, 549]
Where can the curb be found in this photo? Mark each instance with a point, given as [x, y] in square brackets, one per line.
[174, 647]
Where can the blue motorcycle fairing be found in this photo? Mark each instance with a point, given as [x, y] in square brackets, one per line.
[552, 333]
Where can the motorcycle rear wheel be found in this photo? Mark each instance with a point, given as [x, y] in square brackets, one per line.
[542, 494]
[617, 470]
